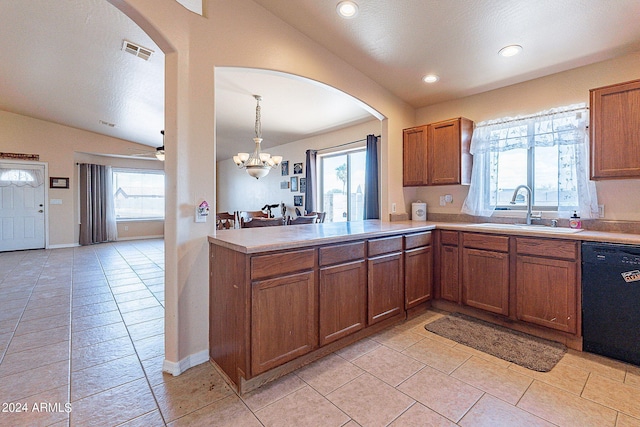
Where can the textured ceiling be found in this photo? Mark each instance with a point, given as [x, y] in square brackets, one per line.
[62, 60]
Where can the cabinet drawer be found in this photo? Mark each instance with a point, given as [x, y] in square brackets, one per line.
[449, 238]
[549, 248]
[385, 245]
[277, 264]
[341, 253]
[486, 242]
[417, 240]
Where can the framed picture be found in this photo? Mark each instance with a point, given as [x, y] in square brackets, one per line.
[284, 167]
[294, 183]
[297, 168]
[297, 200]
[303, 185]
[55, 182]
[284, 185]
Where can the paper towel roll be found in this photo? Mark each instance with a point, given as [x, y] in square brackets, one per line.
[418, 211]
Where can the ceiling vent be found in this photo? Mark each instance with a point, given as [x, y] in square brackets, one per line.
[137, 50]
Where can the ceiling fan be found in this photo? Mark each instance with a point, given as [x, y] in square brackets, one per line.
[158, 153]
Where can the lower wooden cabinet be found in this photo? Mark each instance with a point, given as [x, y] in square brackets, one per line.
[449, 266]
[283, 320]
[343, 300]
[547, 283]
[385, 287]
[418, 275]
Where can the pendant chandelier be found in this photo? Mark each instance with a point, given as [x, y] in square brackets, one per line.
[257, 164]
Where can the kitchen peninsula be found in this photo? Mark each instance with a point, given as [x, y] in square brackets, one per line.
[281, 297]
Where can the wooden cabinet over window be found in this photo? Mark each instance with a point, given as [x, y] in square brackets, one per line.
[438, 153]
[615, 131]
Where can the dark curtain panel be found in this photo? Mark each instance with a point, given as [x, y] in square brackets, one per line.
[371, 198]
[93, 207]
[312, 182]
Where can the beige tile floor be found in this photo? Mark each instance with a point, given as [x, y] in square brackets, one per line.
[83, 327]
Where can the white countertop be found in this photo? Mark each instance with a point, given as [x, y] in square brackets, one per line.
[263, 239]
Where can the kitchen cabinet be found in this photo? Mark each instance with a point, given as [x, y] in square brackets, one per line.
[547, 282]
[485, 272]
[283, 309]
[449, 266]
[385, 279]
[615, 131]
[418, 269]
[342, 291]
[438, 153]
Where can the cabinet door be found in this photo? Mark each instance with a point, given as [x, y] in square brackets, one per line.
[385, 287]
[444, 145]
[283, 320]
[449, 279]
[546, 292]
[418, 275]
[414, 156]
[615, 131]
[485, 280]
[343, 300]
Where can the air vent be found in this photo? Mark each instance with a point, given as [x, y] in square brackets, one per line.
[137, 50]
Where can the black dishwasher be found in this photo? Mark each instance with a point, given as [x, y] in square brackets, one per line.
[611, 300]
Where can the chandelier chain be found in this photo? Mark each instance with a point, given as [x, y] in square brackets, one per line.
[258, 124]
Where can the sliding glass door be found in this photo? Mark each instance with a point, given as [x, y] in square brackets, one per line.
[342, 180]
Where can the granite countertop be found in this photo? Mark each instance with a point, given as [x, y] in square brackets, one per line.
[256, 240]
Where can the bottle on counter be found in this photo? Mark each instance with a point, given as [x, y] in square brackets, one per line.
[574, 221]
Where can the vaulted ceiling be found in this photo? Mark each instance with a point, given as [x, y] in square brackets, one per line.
[63, 61]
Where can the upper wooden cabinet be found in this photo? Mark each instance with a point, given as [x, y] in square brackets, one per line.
[615, 131]
[438, 153]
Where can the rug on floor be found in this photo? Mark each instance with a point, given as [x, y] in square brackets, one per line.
[522, 349]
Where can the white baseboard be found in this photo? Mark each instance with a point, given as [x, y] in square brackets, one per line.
[122, 239]
[64, 245]
[176, 368]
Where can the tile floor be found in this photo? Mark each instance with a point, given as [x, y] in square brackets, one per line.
[82, 329]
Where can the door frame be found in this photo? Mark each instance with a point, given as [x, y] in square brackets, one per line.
[46, 191]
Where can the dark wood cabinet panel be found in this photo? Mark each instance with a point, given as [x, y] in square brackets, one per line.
[283, 320]
[385, 245]
[414, 156]
[271, 265]
[418, 275]
[385, 287]
[485, 280]
[546, 292]
[343, 300]
[449, 276]
[615, 131]
[438, 153]
[336, 254]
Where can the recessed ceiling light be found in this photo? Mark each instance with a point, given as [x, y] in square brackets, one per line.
[510, 50]
[430, 78]
[347, 9]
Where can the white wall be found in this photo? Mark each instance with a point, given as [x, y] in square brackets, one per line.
[237, 191]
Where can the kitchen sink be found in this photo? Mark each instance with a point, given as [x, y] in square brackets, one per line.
[525, 227]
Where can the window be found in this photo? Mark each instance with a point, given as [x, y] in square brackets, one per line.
[138, 194]
[342, 180]
[547, 151]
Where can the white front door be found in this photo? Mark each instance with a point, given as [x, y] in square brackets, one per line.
[22, 213]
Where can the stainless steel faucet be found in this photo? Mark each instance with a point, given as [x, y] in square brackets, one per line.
[515, 194]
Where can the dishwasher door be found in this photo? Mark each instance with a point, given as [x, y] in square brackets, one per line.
[611, 300]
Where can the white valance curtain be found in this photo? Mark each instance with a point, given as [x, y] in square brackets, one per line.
[564, 127]
[21, 176]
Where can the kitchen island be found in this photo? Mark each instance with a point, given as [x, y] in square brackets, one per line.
[281, 297]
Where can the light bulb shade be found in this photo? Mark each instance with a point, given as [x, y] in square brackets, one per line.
[237, 160]
[243, 156]
[258, 171]
[265, 156]
[276, 159]
[160, 155]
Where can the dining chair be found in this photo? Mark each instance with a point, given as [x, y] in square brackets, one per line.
[306, 219]
[247, 215]
[261, 222]
[320, 216]
[225, 220]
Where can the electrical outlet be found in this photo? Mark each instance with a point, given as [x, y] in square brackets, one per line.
[600, 211]
[126, 228]
[442, 201]
[393, 208]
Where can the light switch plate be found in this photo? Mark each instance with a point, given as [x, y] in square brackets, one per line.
[600, 211]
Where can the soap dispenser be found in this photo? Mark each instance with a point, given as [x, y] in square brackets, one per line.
[574, 221]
